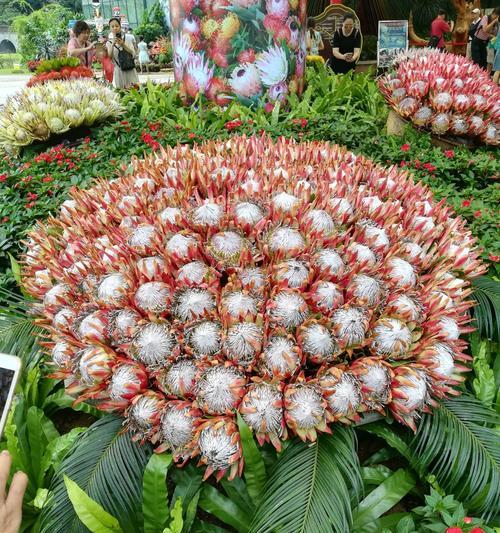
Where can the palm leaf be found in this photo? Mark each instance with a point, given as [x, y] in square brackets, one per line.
[311, 486]
[109, 467]
[487, 312]
[457, 446]
[18, 331]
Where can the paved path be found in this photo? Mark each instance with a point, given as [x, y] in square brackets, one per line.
[11, 83]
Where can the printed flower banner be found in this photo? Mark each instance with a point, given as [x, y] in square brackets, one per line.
[252, 50]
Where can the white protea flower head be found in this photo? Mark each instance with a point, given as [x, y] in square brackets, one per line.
[391, 338]
[329, 261]
[228, 247]
[410, 393]
[285, 240]
[235, 272]
[288, 309]
[248, 213]
[342, 392]
[292, 273]
[193, 273]
[243, 342]
[154, 344]
[219, 389]
[153, 297]
[350, 325]
[262, 409]
[112, 290]
[128, 381]
[178, 424]
[239, 304]
[190, 304]
[273, 66]
[375, 377]
[305, 410]
[203, 338]
[365, 291]
[143, 415]
[454, 87]
[179, 378]
[281, 357]
[317, 342]
[325, 297]
[218, 444]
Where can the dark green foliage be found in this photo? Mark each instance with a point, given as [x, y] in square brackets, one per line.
[108, 466]
[312, 487]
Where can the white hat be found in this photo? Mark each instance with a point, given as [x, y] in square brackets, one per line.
[476, 10]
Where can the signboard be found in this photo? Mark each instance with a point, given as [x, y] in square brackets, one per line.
[392, 40]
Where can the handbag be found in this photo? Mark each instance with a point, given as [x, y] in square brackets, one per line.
[125, 60]
[433, 41]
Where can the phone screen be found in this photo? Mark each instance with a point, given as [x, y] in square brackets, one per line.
[6, 378]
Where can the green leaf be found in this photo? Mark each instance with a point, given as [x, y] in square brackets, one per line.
[255, 470]
[58, 448]
[191, 512]
[16, 270]
[484, 382]
[215, 503]
[154, 493]
[89, 511]
[187, 481]
[374, 475]
[384, 431]
[456, 445]
[312, 486]
[383, 498]
[109, 467]
[487, 311]
[176, 523]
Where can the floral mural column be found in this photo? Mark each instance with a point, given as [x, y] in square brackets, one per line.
[251, 50]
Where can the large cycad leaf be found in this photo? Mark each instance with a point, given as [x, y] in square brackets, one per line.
[457, 446]
[487, 312]
[312, 487]
[109, 467]
[17, 329]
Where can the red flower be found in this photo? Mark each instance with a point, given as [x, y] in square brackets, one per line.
[477, 214]
[124, 122]
[27, 179]
[429, 167]
[247, 56]
[405, 147]
[417, 164]
[466, 203]
[5, 219]
[454, 530]
[402, 163]
[450, 154]
[495, 259]
[191, 135]
[233, 124]
[26, 165]
[71, 164]
[29, 205]
[47, 179]
[477, 530]
[467, 519]
[32, 196]
[3, 177]
[268, 107]
[86, 140]
[178, 127]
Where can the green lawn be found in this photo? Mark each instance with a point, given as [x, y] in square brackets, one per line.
[12, 64]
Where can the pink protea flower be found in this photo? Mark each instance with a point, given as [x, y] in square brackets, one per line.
[435, 86]
[278, 8]
[283, 281]
[197, 75]
[245, 80]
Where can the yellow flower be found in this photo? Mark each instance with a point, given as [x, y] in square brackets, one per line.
[230, 26]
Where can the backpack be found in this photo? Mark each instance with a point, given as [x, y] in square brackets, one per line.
[125, 60]
[473, 28]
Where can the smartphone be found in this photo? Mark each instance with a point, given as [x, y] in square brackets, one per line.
[10, 368]
[118, 36]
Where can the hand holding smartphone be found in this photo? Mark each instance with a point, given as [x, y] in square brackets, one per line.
[10, 367]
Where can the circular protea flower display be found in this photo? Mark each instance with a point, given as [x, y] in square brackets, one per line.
[444, 93]
[301, 289]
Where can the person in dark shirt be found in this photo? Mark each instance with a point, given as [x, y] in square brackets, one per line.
[346, 47]
[439, 27]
